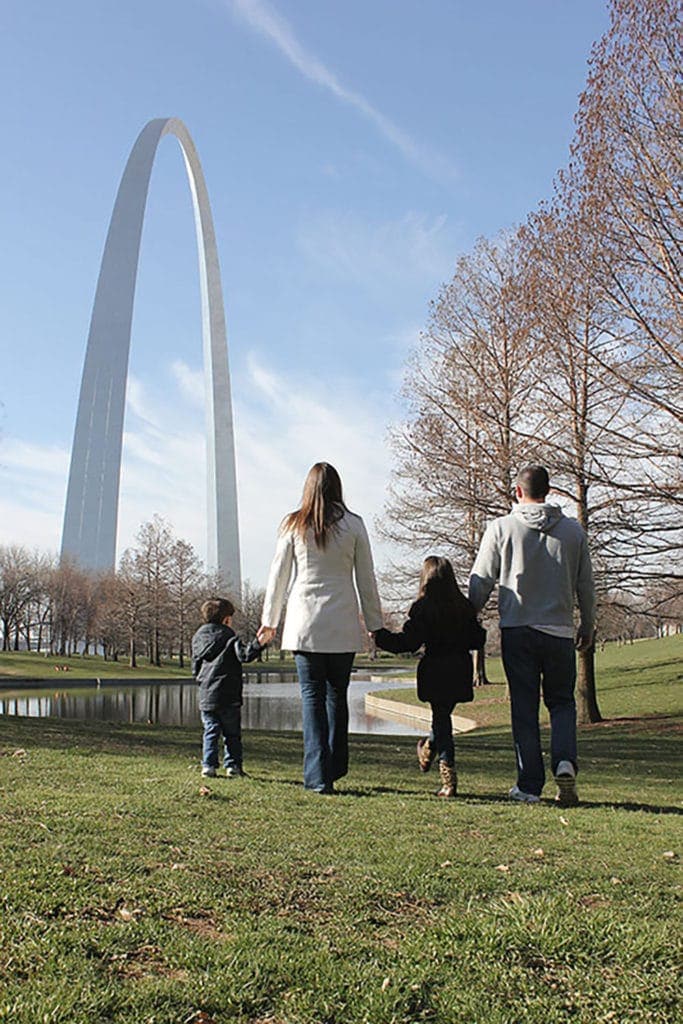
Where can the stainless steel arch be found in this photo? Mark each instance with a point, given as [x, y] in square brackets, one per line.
[92, 500]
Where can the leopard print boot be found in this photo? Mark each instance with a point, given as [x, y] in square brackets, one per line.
[425, 753]
[449, 780]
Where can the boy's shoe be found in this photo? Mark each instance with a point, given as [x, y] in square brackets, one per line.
[208, 773]
[425, 753]
[235, 773]
[565, 777]
[523, 798]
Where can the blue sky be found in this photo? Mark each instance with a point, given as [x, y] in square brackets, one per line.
[352, 150]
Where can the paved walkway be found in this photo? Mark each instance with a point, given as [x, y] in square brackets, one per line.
[397, 709]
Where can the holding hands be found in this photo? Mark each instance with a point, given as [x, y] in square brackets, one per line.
[265, 635]
[584, 639]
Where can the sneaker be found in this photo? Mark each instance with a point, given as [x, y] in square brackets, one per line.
[565, 777]
[235, 773]
[523, 798]
[208, 773]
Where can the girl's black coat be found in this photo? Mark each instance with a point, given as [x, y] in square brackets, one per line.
[444, 672]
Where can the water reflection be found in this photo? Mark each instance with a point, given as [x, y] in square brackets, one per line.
[271, 705]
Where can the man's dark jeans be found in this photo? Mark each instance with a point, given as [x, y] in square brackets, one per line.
[324, 680]
[536, 662]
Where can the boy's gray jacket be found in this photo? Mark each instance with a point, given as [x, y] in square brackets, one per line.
[217, 656]
[540, 558]
[322, 608]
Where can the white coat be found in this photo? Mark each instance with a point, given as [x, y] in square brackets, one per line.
[322, 608]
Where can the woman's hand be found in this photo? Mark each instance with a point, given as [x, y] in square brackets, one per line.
[265, 635]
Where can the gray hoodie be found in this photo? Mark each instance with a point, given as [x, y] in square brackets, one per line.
[540, 558]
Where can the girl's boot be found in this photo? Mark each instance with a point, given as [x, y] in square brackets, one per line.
[449, 779]
[425, 753]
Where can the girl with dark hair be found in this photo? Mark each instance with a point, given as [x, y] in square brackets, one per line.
[444, 622]
[325, 547]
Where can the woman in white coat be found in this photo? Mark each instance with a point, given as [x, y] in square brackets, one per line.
[325, 546]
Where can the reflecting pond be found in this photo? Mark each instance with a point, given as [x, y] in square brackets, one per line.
[267, 705]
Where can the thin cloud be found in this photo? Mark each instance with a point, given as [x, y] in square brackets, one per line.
[284, 421]
[264, 19]
[415, 250]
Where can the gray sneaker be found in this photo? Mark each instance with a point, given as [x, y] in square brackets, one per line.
[235, 773]
[565, 777]
[208, 773]
[523, 798]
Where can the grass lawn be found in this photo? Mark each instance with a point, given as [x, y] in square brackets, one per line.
[132, 893]
[637, 679]
[31, 665]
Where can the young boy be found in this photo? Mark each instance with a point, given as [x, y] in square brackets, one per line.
[217, 657]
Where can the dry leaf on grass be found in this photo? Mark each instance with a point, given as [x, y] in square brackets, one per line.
[128, 915]
[200, 1017]
[515, 897]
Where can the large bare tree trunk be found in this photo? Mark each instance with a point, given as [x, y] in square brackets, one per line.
[586, 698]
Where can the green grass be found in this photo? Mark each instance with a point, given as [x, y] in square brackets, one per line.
[31, 665]
[637, 679]
[130, 894]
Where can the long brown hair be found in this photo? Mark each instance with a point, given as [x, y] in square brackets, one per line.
[439, 597]
[322, 504]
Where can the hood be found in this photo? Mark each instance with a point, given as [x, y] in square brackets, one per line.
[542, 517]
[207, 637]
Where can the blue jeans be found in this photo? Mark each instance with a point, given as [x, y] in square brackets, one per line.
[226, 721]
[324, 680]
[441, 735]
[536, 661]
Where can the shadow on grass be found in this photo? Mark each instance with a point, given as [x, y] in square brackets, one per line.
[644, 750]
[638, 668]
[614, 805]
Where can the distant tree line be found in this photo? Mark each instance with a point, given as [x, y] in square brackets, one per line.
[148, 608]
[561, 343]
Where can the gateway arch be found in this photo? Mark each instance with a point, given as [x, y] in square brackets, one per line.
[92, 500]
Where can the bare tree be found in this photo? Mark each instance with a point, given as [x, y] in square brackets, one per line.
[15, 592]
[70, 592]
[248, 616]
[628, 159]
[152, 567]
[473, 419]
[583, 435]
[185, 578]
[38, 609]
[130, 595]
[110, 623]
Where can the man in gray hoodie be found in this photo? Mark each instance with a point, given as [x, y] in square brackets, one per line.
[541, 561]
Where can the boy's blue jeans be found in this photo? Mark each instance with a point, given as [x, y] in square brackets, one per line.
[226, 722]
[324, 680]
[441, 736]
[536, 661]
